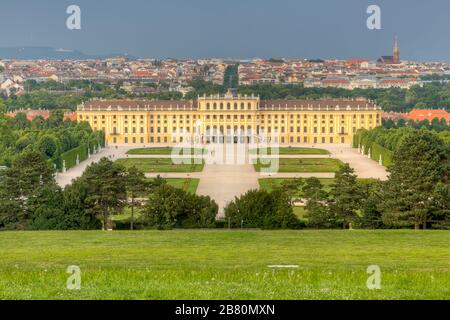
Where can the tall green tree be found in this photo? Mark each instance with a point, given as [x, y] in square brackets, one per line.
[316, 205]
[345, 196]
[261, 209]
[168, 207]
[135, 186]
[28, 174]
[44, 208]
[77, 214]
[370, 209]
[421, 161]
[292, 188]
[106, 189]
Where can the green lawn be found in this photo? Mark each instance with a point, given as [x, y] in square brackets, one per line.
[302, 165]
[291, 150]
[165, 151]
[161, 165]
[222, 264]
[269, 184]
[187, 184]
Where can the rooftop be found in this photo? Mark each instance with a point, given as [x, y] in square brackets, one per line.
[189, 105]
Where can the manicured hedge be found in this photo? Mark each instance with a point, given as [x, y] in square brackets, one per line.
[82, 151]
[362, 138]
[70, 157]
[386, 155]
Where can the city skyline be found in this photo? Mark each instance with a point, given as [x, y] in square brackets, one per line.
[237, 30]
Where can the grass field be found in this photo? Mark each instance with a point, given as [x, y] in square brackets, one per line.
[165, 151]
[222, 264]
[303, 165]
[269, 184]
[160, 165]
[291, 150]
[187, 184]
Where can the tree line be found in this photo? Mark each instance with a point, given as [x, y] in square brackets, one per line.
[30, 199]
[49, 137]
[437, 125]
[415, 195]
[40, 95]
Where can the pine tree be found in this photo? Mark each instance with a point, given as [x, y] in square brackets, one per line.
[135, 185]
[106, 189]
[317, 212]
[419, 163]
[28, 174]
[345, 196]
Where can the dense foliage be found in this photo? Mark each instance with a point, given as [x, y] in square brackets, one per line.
[438, 125]
[432, 95]
[31, 199]
[168, 207]
[261, 209]
[58, 95]
[389, 138]
[416, 194]
[52, 138]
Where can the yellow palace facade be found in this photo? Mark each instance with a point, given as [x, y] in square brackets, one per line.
[230, 118]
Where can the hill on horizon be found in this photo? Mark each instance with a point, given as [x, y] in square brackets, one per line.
[49, 53]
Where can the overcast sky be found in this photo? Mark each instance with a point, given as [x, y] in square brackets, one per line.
[232, 28]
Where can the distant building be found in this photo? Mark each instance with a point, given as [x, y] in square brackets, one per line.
[395, 58]
[403, 83]
[428, 114]
[418, 115]
[230, 117]
[31, 114]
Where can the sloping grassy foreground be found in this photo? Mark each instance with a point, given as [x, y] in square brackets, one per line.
[222, 264]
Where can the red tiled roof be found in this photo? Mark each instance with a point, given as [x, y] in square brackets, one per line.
[31, 114]
[430, 114]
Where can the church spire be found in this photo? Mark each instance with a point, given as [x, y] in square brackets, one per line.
[396, 56]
